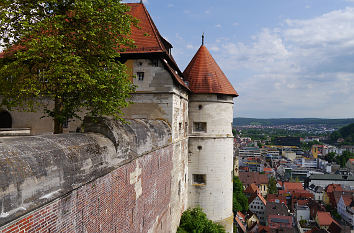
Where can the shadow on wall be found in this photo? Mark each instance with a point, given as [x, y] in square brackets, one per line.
[5, 119]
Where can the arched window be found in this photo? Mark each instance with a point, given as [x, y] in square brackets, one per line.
[5, 119]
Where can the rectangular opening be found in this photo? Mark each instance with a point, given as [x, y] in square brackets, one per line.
[155, 62]
[199, 179]
[140, 76]
[221, 97]
[200, 127]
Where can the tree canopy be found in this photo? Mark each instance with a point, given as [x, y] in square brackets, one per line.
[272, 186]
[240, 201]
[346, 132]
[196, 221]
[61, 56]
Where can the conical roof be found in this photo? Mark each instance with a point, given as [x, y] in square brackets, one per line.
[205, 76]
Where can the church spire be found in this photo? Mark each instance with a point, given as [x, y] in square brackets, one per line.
[203, 38]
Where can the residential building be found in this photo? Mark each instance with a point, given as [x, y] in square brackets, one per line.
[345, 208]
[324, 219]
[257, 205]
[261, 180]
[350, 165]
[302, 212]
[275, 209]
[327, 179]
[278, 221]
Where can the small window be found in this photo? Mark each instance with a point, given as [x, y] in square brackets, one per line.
[199, 179]
[200, 127]
[221, 97]
[180, 126]
[200, 147]
[155, 62]
[200, 107]
[140, 76]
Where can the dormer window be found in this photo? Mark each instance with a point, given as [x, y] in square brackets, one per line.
[140, 76]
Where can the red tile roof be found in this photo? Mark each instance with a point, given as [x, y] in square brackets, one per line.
[333, 187]
[248, 178]
[148, 40]
[146, 36]
[260, 197]
[252, 188]
[324, 218]
[293, 186]
[276, 198]
[267, 169]
[205, 76]
[347, 199]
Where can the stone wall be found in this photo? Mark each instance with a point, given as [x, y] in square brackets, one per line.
[115, 178]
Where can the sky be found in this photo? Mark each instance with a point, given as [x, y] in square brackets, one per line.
[285, 58]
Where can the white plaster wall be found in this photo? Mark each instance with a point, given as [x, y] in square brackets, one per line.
[218, 114]
[155, 78]
[214, 160]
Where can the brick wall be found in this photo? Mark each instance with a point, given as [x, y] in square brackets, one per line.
[132, 198]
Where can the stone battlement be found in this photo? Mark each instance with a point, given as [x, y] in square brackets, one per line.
[46, 171]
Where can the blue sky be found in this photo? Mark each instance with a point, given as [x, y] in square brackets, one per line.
[285, 58]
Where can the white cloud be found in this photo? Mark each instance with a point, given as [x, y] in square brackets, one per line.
[189, 46]
[218, 25]
[303, 69]
[214, 48]
[170, 5]
[235, 24]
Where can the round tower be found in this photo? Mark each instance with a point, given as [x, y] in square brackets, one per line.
[210, 138]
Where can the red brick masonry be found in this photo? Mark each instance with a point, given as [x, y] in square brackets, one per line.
[108, 204]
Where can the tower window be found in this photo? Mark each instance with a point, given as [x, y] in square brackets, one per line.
[199, 179]
[200, 107]
[200, 127]
[155, 62]
[140, 76]
[221, 97]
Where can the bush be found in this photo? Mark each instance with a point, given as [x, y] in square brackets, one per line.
[196, 221]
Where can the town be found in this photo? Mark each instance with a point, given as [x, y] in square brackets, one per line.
[294, 184]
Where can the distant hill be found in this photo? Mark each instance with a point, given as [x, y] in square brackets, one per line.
[334, 123]
[346, 132]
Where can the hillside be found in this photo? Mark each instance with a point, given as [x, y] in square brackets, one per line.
[332, 123]
[346, 132]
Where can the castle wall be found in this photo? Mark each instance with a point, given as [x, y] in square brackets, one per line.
[157, 97]
[119, 178]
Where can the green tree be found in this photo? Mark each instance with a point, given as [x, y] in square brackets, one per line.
[343, 159]
[196, 221]
[272, 186]
[240, 201]
[330, 157]
[61, 56]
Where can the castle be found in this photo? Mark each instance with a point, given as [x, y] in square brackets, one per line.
[176, 152]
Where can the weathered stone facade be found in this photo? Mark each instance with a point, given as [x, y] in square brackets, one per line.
[120, 178]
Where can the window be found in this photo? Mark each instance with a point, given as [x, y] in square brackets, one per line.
[199, 127]
[140, 76]
[155, 62]
[199, 179]
[221, 97]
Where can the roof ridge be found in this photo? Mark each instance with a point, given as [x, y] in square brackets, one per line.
[154, 28]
